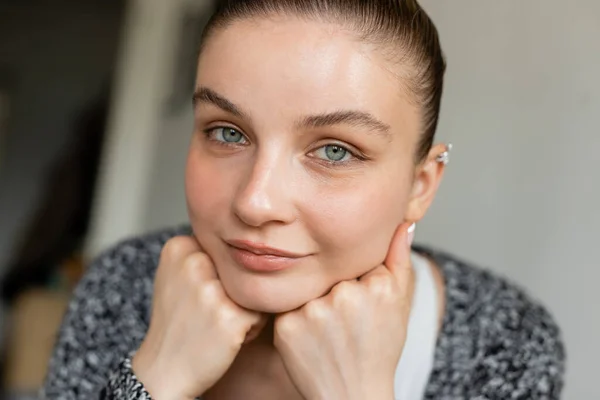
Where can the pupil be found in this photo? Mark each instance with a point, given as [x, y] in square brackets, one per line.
[335, 153]
[231, 135]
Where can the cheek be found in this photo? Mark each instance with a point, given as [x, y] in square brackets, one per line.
[355, 226]
[207, 191]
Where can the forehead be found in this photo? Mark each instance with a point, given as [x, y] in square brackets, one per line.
[296, 66]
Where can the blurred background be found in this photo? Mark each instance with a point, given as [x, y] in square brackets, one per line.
[95, 118]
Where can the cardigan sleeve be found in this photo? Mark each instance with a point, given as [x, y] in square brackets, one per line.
[106, 321]
[124, 385]
[497, 342]
[525, 359]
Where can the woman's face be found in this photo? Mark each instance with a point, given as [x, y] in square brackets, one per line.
[302, 159]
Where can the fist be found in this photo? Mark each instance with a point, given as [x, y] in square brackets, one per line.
[347, 344]
[196, 331]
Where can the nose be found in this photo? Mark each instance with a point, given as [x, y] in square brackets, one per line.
[265, 194]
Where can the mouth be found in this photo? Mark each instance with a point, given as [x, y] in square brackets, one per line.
[260, 249]
[258, 257]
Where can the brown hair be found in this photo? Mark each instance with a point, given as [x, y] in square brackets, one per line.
[399, 25]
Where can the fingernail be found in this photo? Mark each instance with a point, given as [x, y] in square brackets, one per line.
[411, 233]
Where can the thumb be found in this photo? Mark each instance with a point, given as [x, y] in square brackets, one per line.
[259, 322]
[398, 258]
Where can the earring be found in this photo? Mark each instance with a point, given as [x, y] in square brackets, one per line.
[444, 157]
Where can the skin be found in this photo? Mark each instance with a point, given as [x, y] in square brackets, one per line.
[278, 187]
[261, 167]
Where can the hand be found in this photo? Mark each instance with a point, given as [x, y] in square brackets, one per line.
[196, 331]
[347, 344]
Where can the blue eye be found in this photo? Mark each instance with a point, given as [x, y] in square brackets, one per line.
[227, 135]
[333, 153]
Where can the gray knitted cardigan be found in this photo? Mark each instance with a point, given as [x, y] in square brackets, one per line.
[496, 342]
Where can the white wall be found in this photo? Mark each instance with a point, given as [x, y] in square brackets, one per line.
[523, 188]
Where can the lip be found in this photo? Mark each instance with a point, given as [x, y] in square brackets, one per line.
[261, 258]
[261, 249]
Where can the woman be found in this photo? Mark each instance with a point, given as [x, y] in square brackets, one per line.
[310, 162]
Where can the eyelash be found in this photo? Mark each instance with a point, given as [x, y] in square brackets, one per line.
[208, 133]
[355, 155]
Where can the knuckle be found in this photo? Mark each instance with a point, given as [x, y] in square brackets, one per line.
[342, 288]
[227, 315]
[197, 259]
[210, 293]
[287, 324]
[316, 310]
[382, 285]
[178, 247]
[193, 265]
[344, 294]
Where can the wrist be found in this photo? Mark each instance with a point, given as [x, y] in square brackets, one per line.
[160, 381]
[371, 393]
[375, 392]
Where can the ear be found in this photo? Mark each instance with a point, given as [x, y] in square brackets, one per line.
[427, 179]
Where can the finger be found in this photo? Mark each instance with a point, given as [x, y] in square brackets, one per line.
[179, 248]
[398, 258]
[199, 268]
[253, 322]
[256, 327]
[380, 270]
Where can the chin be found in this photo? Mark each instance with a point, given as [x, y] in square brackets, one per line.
[273, 295]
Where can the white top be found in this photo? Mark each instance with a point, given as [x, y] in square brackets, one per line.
[416, 363]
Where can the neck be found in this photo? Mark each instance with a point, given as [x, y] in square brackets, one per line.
[257, 369]
[265, 338]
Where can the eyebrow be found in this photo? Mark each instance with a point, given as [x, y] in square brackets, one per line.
[346, 117]
[206, 95]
